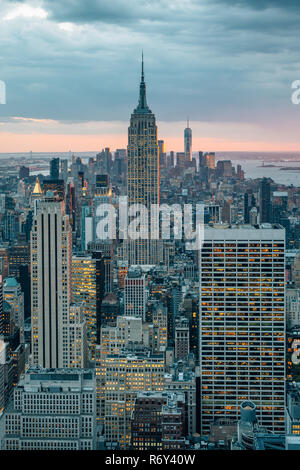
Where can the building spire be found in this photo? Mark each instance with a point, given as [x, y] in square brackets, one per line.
[142, 107]
[37, 188]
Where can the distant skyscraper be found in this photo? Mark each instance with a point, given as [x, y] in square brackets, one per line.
[246, 208]
[242, 324]
[64, 169]
[103, 195]
[143, 173]
[188, 142]
[162, 154]
[23, 172]
[54, 169]
[210, 160]
[120, 162]
[104, 161]
[180, 159]
[265, 201]
[224, 169]
[51, 251]
[172, 159]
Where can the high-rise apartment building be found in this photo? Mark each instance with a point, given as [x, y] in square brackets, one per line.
[51, 251]
[242, 323]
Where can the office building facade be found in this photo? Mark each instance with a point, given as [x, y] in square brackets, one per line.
[242, 324]
[52, 410]
[51, 251]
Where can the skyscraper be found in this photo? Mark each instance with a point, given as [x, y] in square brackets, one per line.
[2, 374]
[265, 201]
[12, 294]
[51, 251]
[188, 142]
[143, 173]
[54, 169]
[162, 154]
[242, 324]
[135, 295]
[88, 288]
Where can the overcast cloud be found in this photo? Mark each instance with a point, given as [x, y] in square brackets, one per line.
[218, 61]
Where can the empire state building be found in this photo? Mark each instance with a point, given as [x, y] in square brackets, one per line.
[143, 174]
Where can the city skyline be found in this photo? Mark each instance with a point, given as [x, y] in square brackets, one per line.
[236, 92]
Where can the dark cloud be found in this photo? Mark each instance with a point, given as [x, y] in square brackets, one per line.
[264, 4]
[106, 11]
[201, 58]
[122, 11]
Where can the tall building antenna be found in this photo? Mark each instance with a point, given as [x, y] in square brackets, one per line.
[142, 105]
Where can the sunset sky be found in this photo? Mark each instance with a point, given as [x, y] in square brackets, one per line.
[72, 71]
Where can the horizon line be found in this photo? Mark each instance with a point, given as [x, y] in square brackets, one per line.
[179, 151]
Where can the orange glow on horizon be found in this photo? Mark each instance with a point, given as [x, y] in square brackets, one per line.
[13, 143]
